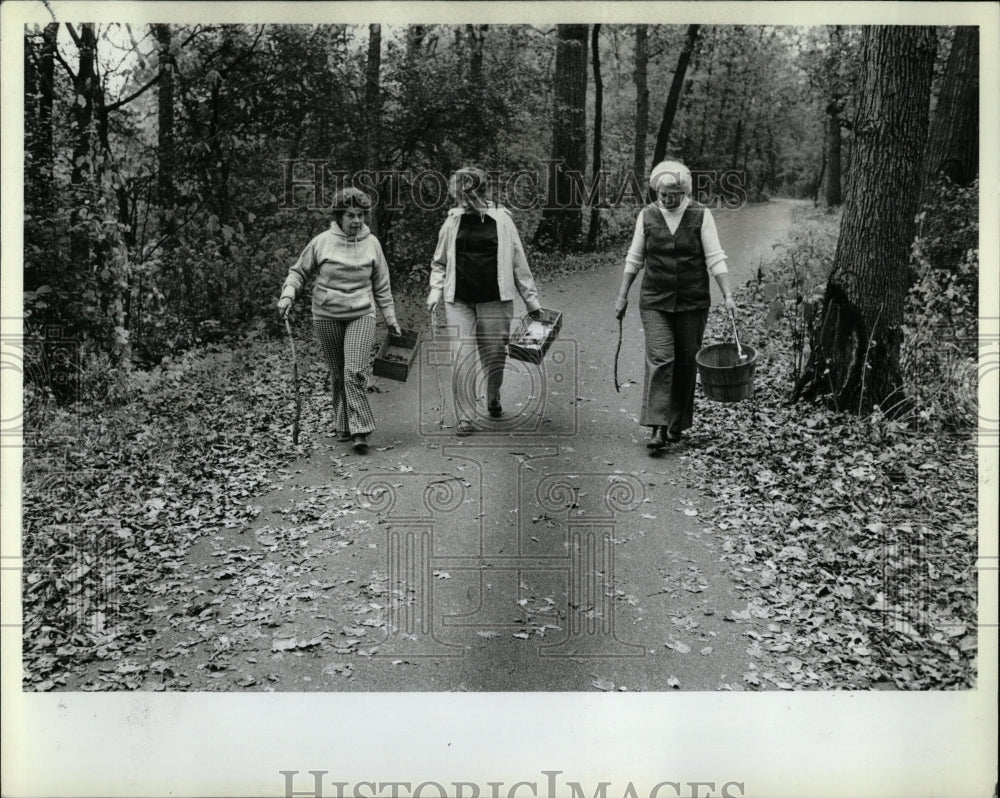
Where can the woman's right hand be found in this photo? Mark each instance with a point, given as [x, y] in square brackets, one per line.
[284, 305]
[620, 307]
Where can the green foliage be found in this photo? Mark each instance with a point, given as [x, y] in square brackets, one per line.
[852, 540]
[940, 349]
[137, 270]
[793, 287]
[940, 353]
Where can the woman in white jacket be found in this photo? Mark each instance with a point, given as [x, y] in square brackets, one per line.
[478, 267]
[350, 271]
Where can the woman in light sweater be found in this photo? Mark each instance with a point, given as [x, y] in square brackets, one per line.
[677, 246]
[350, 272]
[478, 267]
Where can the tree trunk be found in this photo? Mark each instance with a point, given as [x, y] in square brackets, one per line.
[560, 224]
[703, 123]
[595, 212]
[953, 144]
[373, 126]
[854, 358]
[415, 35]
[737, 143]
[836, 92]
[639, 75]
[165, 127]
[477, 137]
[670, 109]
[83, 116]
[476, 36]
[38, 127]
[833, 195]
[819, 180]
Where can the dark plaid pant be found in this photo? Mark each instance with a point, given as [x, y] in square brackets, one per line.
[347, 346]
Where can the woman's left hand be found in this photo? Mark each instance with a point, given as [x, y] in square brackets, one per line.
[535, 314]
[731, 305]
[395, 330]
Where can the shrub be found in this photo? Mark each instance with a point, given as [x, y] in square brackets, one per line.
[939, 356]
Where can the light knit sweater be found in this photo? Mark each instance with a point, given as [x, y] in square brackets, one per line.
[349, 272]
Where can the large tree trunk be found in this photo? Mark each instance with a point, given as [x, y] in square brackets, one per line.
[639, 75]
[165, 118]
[953, 145]
[595, 211]
[833, 194]
[476, 36]
[709, 49]
[83, 116]
[673, 98]
[561, 219]
[373, 127]
[415, 35]
[167, 155]
[832, 139]
[478, 138]
[38, 126]
[854, 357]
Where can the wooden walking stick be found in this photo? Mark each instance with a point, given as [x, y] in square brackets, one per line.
[617, 351]
[295, 379]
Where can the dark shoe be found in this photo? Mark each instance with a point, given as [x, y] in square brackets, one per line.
[496, 410]
[672, 436]
[343, 437]
[464, 428]
[657, 439]
[360, 444]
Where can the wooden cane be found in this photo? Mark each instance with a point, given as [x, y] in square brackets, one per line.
[617, 352]
[295, 379]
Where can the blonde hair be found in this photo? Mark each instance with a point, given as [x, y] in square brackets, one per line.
[673, 173]
[470, 187]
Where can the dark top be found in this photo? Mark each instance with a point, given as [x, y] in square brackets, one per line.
[675, 275]
[476, 260]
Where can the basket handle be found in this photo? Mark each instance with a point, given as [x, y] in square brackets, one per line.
[739, 349]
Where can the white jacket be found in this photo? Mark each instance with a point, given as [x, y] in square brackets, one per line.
[513, 274]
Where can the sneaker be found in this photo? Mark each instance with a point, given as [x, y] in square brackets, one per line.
[343, 436]
[496, 411]
[672, 436]
[360, 443]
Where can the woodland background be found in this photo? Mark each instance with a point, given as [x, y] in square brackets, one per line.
[158, 232]
[156, 156]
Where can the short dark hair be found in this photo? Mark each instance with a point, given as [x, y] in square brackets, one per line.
[351, 198]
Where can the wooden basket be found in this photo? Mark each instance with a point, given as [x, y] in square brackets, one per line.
[533, 337]
[724, 376]
[396, 356]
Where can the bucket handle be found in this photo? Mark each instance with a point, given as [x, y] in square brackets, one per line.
[739, 349]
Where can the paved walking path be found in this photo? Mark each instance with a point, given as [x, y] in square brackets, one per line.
[549, 551]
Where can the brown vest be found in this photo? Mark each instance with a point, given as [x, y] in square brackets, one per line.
[675, 277]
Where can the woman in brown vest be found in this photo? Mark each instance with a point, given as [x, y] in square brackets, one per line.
[677, 246]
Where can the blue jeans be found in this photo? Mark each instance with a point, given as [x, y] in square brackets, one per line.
[672, 341]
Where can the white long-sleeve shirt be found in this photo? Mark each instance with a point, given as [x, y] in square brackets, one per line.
[715, 256]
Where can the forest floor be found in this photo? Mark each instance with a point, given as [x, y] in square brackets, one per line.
[194, 548]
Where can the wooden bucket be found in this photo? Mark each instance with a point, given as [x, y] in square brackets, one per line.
[724, 376]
